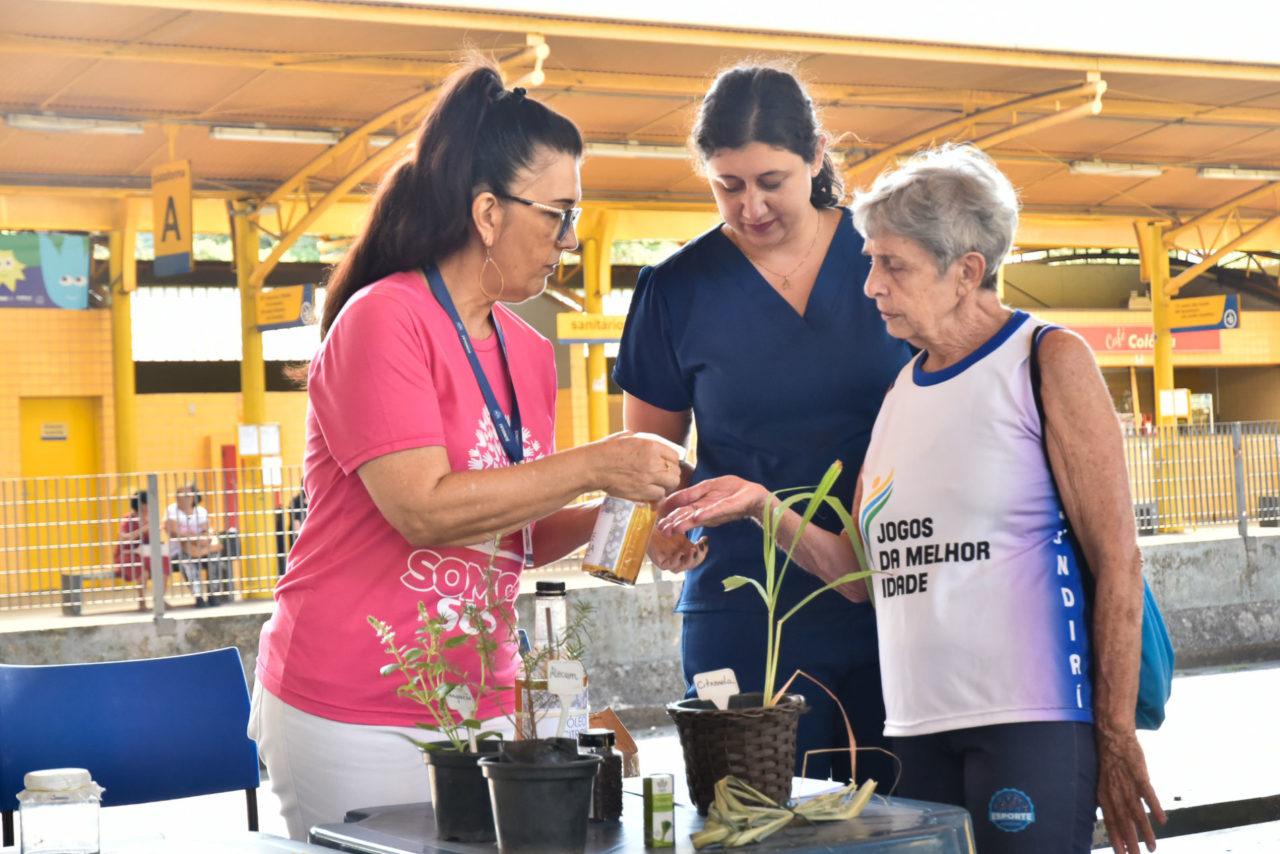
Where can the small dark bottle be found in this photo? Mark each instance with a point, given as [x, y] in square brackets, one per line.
[606, 792]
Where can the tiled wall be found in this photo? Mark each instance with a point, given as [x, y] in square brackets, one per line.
[47, 352]
[186, 431]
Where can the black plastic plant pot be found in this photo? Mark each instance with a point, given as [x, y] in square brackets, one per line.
[541, 807]
[460, 795]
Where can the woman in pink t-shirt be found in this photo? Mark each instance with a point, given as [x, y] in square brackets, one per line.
[425, 392]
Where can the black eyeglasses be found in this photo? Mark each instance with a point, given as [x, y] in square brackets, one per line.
[568, 216]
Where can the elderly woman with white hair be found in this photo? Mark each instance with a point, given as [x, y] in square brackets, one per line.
[1002, 694]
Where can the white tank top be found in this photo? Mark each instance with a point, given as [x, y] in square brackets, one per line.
[980, 609]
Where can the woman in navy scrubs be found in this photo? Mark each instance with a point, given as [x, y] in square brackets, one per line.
[759, 330]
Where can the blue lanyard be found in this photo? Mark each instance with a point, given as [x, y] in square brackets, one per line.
[509, 433]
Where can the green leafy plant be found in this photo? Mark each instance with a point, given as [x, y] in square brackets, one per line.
[430, 679]
[771, 520]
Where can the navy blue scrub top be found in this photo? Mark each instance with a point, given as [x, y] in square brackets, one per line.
[776, 397]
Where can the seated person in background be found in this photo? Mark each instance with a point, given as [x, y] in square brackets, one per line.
[133, 554]
[288, 524]
[190, 542]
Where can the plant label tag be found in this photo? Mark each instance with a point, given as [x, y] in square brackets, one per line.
[565, 677]
[462, 703]
[717, 686]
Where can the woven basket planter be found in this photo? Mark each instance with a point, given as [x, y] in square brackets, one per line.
[755, 744]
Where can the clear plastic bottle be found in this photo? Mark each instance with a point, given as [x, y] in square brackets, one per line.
[59, 809]
[537, 709]
[550, 616]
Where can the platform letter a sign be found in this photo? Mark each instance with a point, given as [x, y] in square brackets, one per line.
[171, 217]
[170, 222]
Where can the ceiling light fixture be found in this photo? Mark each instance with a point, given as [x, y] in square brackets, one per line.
[648, 151]
[71, 124]
[1118, 170]
[1235, 173]
[246, 133]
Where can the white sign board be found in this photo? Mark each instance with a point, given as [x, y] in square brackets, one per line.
[717, 686]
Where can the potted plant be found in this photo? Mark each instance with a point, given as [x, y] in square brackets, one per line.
[459, 794]
[755, 738]
[540, 786]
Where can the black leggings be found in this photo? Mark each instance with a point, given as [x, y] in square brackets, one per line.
[1031, 788]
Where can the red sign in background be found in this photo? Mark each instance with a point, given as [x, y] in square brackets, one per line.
[1142, 339]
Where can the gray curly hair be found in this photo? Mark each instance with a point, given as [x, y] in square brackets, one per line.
[951, 200]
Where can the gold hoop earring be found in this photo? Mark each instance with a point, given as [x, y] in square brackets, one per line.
[502, 280]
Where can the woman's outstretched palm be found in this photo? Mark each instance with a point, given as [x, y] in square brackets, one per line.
[710, 503]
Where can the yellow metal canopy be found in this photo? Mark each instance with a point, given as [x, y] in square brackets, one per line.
[1139, 131]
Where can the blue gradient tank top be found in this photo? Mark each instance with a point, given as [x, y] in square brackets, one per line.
[979, 601]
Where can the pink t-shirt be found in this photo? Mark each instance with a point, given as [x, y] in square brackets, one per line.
[390, 375]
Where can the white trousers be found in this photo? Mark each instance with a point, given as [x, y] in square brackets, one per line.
[320, 769]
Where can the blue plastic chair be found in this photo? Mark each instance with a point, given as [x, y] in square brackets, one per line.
[148, 730]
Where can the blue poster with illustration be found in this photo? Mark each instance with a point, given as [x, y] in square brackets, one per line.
[44, 269]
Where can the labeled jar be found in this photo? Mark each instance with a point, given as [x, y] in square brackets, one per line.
[59, 810]
[606, 790]
[619, 540]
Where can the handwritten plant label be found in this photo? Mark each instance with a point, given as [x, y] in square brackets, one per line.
[461, 701]
[565, 677]
[717, 686]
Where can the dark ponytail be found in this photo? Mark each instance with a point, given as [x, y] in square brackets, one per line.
[759, 103]
[477, 136]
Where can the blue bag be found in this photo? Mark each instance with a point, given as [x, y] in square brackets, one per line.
[1155, 676]
[1155, 673]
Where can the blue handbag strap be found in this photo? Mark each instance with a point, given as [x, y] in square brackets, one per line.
[1086, 573]
[1157, 652]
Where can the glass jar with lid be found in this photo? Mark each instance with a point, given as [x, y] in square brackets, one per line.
[606, 790]
[59, 812]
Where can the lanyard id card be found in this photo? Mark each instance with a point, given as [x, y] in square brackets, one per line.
[509, 430]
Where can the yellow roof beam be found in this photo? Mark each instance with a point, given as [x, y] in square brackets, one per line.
[657, 85]
[831, 94]
[713, 37]
[361, 161]
[97, 209]
[873, 164]
[1080, 111]
[1175, 284]
[1224, 209]
[322, 63]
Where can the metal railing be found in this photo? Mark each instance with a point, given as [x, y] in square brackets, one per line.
[202, 537]
[77, 542]
[74, 542]
[1193, 476]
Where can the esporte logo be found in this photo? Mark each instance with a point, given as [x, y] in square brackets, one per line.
[1011, 810]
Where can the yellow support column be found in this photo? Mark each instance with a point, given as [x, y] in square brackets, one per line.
[257, 564]
[253, 385]
[1155, 267]
[1160, 299]
[597, 259]
[1133, 394]
[124, 280]
[578, 394]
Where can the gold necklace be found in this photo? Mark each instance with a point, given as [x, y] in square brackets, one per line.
[786, 279]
